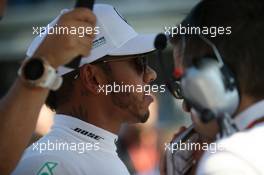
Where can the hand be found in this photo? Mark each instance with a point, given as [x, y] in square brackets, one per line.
[60, 49]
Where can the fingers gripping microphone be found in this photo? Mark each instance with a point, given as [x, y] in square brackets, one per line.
[86, 4]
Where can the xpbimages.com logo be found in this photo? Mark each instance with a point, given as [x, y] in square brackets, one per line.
[63, 30]
[212, 31]
[57, 145]
[125, 88]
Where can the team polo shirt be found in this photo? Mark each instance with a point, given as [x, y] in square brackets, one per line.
[73, 147]
[242, 153]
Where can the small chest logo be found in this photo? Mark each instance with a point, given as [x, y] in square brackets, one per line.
[47, 168]
[89, 134]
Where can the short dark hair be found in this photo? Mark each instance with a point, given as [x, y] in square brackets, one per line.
[242, 50]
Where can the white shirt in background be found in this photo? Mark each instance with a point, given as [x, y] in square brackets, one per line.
[243, 152]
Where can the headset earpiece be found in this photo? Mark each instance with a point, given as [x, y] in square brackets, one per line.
[209, 86]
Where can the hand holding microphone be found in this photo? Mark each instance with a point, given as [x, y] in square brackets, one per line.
[60, 49]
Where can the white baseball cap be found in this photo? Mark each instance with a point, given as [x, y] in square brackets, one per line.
[116, 37]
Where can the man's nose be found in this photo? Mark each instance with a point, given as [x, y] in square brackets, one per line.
[150, 75]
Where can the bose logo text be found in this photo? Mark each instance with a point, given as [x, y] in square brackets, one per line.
[89, 134]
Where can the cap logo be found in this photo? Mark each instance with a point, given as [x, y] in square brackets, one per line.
[99, 42]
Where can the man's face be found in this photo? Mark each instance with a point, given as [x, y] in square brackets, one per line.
[133, 104]
[209, 129]
[2, 8]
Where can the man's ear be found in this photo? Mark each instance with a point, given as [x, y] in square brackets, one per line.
[90, 78]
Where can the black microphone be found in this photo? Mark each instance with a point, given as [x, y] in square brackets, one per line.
[160, 41]
[160, 44]
[74, 64]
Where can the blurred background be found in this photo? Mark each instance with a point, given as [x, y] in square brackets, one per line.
[140, 146]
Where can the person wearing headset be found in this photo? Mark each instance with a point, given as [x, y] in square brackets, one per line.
[20, 108]
[98, 95]
[222, 78]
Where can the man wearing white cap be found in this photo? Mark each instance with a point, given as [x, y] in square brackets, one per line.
[20, 107]
[82, 139]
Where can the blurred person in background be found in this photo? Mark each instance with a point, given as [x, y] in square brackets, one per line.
[19, 109]
[242, 52]
[139, 145]
[145, 153]
[85, 113]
